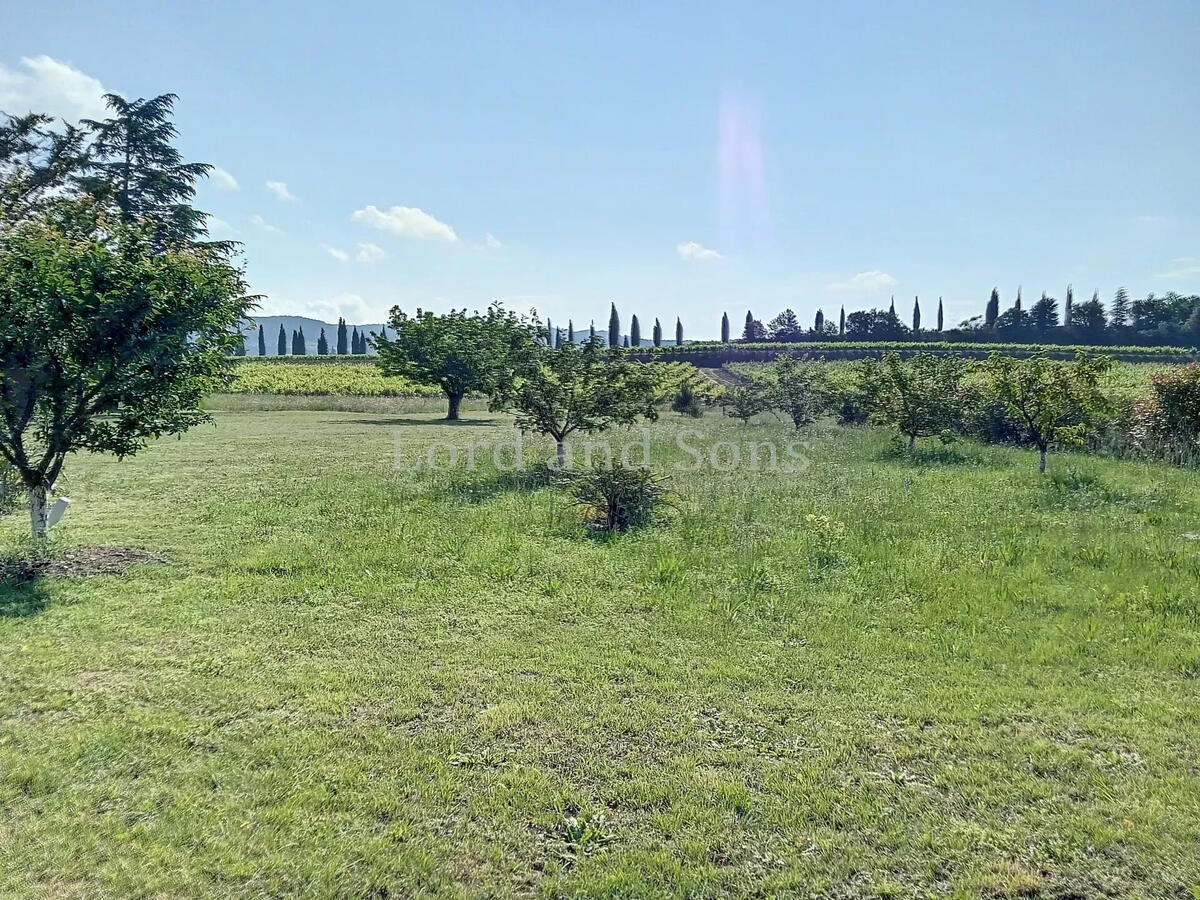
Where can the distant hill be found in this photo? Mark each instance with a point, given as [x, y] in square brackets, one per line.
[312, 331]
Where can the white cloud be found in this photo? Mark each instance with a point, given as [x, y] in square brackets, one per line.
[406, 221]
[47, 85]
[873, 280]
[492, 241]
[369, 253]
[258, 220]
[351, 306]
[222, 180]
[337, 253]
[1182, 267]
[694, 251]
[281, 192]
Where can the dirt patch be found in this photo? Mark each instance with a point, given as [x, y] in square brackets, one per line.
[78, 562]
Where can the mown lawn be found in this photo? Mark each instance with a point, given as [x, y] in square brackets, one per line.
[879, 676]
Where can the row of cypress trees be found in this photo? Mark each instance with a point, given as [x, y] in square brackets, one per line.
[348, 342]
[615, 338]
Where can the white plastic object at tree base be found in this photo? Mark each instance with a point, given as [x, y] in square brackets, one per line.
[57, 511]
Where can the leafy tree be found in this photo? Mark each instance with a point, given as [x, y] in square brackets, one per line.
[322, 345]
[1120, 308]
[343, 346]
[801, 389]
[106, 341]
[132, 162]
[1044, 315]
[458, 351]
[1088, 318]
[262, 341]
[1056, 403]
[724, 328]
[941, 320]
[657, 333]
[678, 332]
[993, 309]
[576, 389]
[916, 319]
[785, 327]
[874, 325]
[614, 328]
[635, 332]
[281, 349]
[1014, 319]
[922, 396]
[745, 401]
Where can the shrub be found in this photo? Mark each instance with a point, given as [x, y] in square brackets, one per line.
[685, 402]
[746, 401]
[1168, 421]
[619, 499]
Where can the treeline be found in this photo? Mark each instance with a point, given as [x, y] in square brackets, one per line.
[352, 343]
[1149, 321]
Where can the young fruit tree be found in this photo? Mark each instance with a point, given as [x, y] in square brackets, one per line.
[458, 351]
[1056, 403]
[921, 397]
[745, 401]
[585, 388]
[116, 318]
[800, 389]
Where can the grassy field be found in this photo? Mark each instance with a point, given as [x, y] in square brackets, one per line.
[879, 676]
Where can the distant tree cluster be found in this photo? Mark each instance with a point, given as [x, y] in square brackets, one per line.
[555, 337]
[1173, 319]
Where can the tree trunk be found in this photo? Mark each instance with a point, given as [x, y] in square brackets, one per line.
[1042, 460]
[912, 443]
[455, 400]
[38, 518]
[561, 451]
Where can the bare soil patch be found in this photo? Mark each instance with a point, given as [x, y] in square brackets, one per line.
[78, 562]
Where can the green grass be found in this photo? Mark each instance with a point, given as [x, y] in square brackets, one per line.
[882, 676]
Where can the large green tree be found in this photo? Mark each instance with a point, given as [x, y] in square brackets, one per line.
[458, 351]
[576, 388]
[922, 396]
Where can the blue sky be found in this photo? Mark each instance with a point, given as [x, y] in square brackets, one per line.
[679, 159]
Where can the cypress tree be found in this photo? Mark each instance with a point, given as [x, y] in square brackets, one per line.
[842, 322]
[557, 338]
[819, 323]
[614, 327]
[342, 345]
[322, 345]
[748, 332]
[1068, 305]
[625, 341]
[303, 343]
[992, 313]
[678, 332]
[635, 332]
[282, 351]
[892, 308]
[592, 331]
[549, 332]
[355, 345]
[916, 314]
[1120, 309]
[940, 320]
[570, 332]
[724, 328]
[262, 342]
[295, 342]
[657, 334]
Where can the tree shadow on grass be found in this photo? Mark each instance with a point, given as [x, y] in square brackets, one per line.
[21, 590]
[922, 457]
[479, 488]
[397, 421]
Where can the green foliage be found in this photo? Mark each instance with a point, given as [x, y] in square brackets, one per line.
[584, 388]
[314, 376]
[458, 351]
[1169, 419]
[745, 401]
[921, 396]
[39, 161]
[619, 499]
[1055, 403]
[685, 401]
[800, 389]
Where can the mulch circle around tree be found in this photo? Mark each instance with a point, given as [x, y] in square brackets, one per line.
[79, 562]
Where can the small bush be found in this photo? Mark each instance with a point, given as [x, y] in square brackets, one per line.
[619, 499]
[686, 402]
[1168, 421]
[746, 401]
